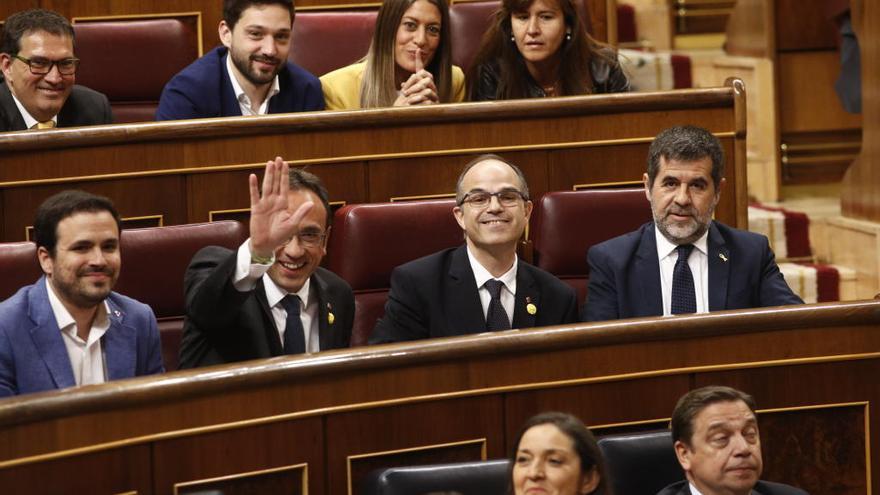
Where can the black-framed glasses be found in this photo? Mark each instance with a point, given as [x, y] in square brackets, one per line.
[309, 238]
[40, 66]
[481, 199]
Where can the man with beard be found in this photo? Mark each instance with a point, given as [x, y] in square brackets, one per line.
[480, 286]
[717, 443]
[38, 65]
[69, 328]
[683, 261]
[249, 74]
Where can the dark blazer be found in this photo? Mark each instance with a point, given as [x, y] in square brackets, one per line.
[83, 107]
[33, 357]
[436, 296]
[203, 89]
[625, 274]
[761, 488]
[224, 325]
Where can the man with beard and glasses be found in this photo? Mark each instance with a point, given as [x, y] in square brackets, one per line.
[717, 442]
[69, 328]
[683, 261]
[481, 286]
[249, 74]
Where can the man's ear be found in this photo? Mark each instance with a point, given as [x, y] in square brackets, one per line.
[459, 216]
[225, 33]
[5, 64]
[683, 453]
[647, 187]
[326, 240]
[46, 261]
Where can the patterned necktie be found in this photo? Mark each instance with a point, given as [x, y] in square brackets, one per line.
[294, 337]
[684, 299]
[496, 318]
[49, 124]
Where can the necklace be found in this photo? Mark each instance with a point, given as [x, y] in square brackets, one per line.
[550, 90]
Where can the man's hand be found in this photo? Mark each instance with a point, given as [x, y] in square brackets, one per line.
[272, 223]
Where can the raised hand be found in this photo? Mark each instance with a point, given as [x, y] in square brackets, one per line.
[419, 89]
[272, 223]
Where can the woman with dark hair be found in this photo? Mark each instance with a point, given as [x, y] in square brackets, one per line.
[538, 48]
[409, 61]
[555, 453]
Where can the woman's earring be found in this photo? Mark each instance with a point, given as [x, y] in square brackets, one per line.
[568, 36]
[512, 39]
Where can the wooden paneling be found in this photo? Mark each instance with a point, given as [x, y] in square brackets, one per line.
[807, 101]
[463, 398]
[188, 169]
[804, 25]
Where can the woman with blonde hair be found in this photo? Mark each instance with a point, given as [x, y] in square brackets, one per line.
[538, 48]
[408, 63]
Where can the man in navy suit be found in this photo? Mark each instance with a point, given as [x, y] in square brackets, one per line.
[683, 261]
[482, 285]
[69, 328]
[717, 443]
[249, 74]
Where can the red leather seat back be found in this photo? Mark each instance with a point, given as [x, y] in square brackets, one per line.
[325, 41]
[130, 60]
[155, 259]
[370, 240]
[467, 22]
[626, 24]
[19, 266]
[566, 224]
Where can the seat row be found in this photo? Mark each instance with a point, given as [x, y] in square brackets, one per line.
[367, 242]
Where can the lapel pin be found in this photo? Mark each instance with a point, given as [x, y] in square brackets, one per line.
[330, 317]
[723, 258]
[117, 313]
[530, 308]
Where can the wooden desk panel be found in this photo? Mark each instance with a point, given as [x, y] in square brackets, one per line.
[200, 166]
[464, 397]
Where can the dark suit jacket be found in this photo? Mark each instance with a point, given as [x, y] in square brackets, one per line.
[436, 296]
[761, 488]
[224, 325]
[83, 107]
[203, 89]
[33, 357]
[625, 274]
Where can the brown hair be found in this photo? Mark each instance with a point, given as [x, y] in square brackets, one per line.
[691, 403]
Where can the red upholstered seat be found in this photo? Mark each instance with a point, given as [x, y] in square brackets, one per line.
[467, 23]
[566, 224]
[325, 41]
[131, 59]
[370, 240]
[154, 261]
[19, 266]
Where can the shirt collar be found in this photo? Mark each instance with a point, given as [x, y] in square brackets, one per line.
[240, 95]
[481, 275]
[275, 294]
[29, 120]
[665, 247]
[63, 317]
[694, 490]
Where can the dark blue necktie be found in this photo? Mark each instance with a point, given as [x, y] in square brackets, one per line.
[684, 299]
[294, 337]
[496, 317]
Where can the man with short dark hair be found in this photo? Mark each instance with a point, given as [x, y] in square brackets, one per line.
[249, 74]
[482, 285]
[37, 89]
[270, 297]
[683, 261]
[69, 328]
[717, 443]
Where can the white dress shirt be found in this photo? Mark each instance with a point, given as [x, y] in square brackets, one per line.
[508, 292]
[698, 263]
[243, 101]
[86, 356]
[245, 280]
[29, 120]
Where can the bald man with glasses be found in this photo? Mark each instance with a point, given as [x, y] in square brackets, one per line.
[481, 286]
[37, 89]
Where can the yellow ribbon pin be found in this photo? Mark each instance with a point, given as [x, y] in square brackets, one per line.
[531, 308]
[330, 318]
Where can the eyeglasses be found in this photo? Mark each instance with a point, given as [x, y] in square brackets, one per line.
[481, 199]
[42, 66]
[309, 239]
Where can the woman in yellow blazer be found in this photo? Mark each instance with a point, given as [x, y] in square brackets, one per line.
[408, 63]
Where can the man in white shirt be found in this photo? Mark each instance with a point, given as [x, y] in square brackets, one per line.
[482, 285]
[69, 328]
[683, 262]
[270, 297]
[249, 74]
[718, 444]
[38, 64]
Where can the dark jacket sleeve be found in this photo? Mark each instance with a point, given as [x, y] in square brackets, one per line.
[212, 302]
[176, 103]
[601, 303]
[486, 84]
[608, 75]
[404, 313]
